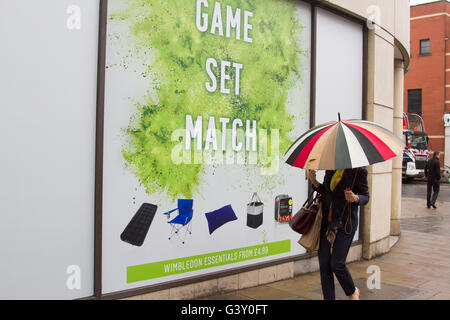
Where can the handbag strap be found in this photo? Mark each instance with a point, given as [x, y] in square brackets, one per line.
[255, 197]
[310, 199]
[354, 178]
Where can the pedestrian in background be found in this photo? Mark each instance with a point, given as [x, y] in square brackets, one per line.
[433, 175]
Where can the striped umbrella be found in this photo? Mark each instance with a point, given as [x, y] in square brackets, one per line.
[343, 145]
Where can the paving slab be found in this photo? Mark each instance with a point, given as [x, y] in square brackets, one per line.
[227, 296]
[297, 286]
[441, 296]
[387, 291]
[267, 293]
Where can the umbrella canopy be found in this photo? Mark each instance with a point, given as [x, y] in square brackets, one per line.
[343, 145]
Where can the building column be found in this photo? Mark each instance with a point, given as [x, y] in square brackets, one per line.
[396, 201]
[376, 215]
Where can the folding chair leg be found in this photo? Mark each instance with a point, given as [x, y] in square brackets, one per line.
[188, 229]
[178, 235]
[173, 231]
[176, 231]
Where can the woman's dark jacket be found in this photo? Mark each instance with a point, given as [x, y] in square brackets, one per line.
[340, 205]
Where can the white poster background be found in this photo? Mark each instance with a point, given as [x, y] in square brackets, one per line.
[339, 85]
[48, 82]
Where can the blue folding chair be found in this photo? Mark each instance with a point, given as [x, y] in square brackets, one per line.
[182, 220]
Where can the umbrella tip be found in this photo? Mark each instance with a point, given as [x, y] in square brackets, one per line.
[339, 116]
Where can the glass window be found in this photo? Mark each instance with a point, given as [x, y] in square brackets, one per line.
[415, 123]
[425, 47]
[415, 101]
[419, 141]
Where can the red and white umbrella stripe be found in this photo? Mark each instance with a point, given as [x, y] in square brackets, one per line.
[342, 145]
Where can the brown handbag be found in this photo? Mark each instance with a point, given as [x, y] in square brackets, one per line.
[311, 240]
[305, 217]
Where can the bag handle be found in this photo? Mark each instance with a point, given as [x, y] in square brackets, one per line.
[354, 178]
[310, 199]
[256, 197]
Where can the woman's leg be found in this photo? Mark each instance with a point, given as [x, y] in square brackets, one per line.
[326, 274]
[338, 261]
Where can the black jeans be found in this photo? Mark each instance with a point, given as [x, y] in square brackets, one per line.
[335, 264]
[435, 185]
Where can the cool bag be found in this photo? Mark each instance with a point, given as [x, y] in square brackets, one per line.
[255, 212]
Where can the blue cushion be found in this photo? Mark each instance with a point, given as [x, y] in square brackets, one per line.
[219, 217]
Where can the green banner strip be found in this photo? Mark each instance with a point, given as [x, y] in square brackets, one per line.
[188, 264]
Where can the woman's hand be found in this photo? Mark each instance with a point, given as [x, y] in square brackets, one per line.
[350, 196]
[312, 178]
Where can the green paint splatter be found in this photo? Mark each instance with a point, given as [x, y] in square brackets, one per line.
[265, 238]
[177, 65]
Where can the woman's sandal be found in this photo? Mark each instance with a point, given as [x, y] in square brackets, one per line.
[355, 295]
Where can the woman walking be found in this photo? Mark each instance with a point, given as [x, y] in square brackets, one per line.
[342, 192]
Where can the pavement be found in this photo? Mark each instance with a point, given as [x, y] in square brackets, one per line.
[416, 268]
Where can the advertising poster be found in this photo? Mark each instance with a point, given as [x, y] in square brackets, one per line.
[203, 98]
